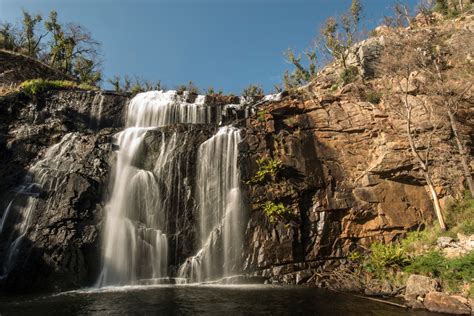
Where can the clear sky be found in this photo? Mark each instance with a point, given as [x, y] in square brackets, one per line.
[226, 44]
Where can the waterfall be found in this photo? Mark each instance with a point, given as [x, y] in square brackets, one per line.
[219, 207]
[145, 201]
[46, 175]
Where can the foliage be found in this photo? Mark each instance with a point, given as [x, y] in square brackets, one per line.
[339, 34]
[460, 216]
[37, 86]
[266, 167]
[134, 86]
[452, 272]
[68, 48]
[261, 115]
[300, 75]
[212, 91]
[354, 256]
[373, 96]
[459, 219]
[253, 91]
[348, 75]
[385, 256]
[275, 212]
[441, 6]
[190, 88]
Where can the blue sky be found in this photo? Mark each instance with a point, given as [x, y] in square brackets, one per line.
[226, 44]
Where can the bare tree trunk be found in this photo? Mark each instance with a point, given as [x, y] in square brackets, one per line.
[462, 152]
[424, 167]
[434, 197]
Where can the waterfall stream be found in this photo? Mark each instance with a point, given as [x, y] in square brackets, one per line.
[219, 206]
[45, 175]
[138, 238]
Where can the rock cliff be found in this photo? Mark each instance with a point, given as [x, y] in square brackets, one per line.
[347, 176]
[62, 251]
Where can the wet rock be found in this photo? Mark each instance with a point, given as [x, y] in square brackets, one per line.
[378, 288]
[443, 303]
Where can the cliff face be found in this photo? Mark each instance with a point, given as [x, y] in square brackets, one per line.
[347, 175]
[62, 251]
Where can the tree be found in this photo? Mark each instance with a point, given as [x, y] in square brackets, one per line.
[300, 75]
[28, 32]
[73, 50]
[9, 37]
[86, 70]
[339, 35]
[401, 15]
[401, 62]
[447, 90]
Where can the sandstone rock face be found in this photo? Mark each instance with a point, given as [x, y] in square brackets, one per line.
[57, 140]
[419, 286]
[348, 176]
[443, 303]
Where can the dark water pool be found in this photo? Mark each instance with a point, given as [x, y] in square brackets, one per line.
[192, 300]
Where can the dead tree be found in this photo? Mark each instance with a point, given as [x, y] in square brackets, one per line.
[398, 65]
[447, 90]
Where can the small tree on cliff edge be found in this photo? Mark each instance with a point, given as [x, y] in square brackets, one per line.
[339, 35]
[401, 62]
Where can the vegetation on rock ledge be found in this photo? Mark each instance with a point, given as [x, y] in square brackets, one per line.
[37, 86]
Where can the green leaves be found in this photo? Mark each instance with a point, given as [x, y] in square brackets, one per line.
[253, 91]
[38, 86]
[266, 168]
[275, 212]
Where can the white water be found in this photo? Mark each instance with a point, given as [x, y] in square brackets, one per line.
[44, 175]
[219, 207]
[135, 242]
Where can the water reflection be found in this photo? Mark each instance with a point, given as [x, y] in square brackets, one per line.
[199, 299]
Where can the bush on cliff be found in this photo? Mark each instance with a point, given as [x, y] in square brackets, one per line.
[37, 86]
[267, 167]
[275, 212]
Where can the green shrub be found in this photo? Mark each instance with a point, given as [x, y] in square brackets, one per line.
[261, 115]
[190, 87]
[275, 212]
[266, 167]
[452, 273]
[441, 6]
[253, 91]
[348, 75]
[37, 86]
[385, 256]
[415, 242]
[460, 216]
[354, 256]
[373, 96]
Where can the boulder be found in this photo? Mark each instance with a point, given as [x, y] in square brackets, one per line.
[444, 242]
[419, 286]
[443, 303]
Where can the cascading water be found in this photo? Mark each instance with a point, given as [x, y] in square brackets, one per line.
[45, 175]
[219, 206]
[137, 236]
